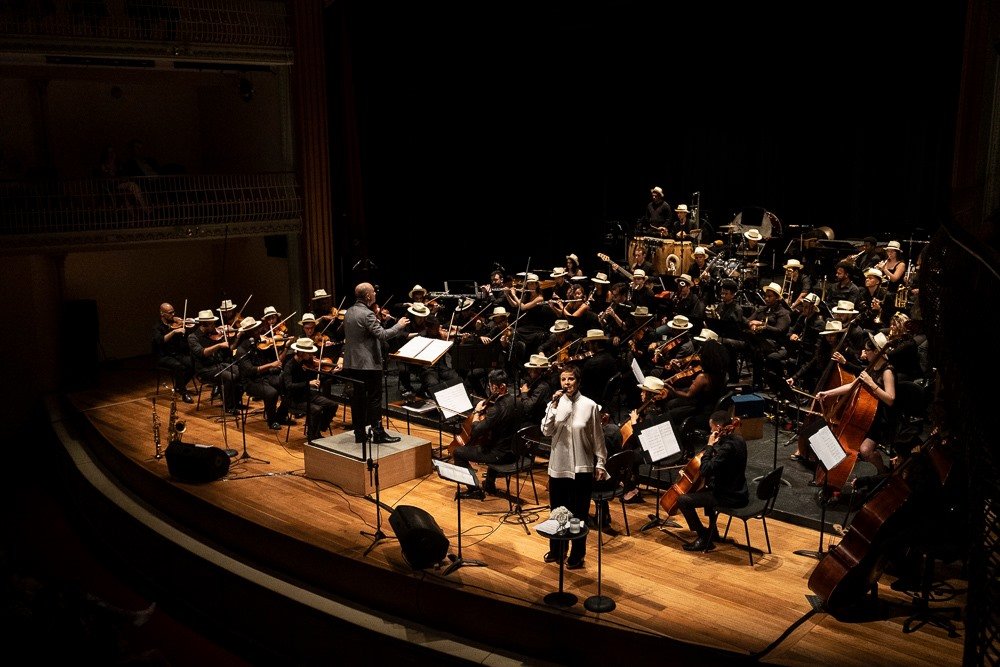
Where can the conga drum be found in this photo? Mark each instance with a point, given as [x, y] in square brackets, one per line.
[685, 250]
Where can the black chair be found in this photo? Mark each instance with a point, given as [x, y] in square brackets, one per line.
[693, 431]
[759, 508]
[619, 467]
[524, 451]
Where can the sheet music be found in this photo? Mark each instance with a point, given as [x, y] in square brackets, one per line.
[454, 473]
[637, 372]
[659, 441]
[413, 347]
[453, 401]
[434, 349]
[827, 448]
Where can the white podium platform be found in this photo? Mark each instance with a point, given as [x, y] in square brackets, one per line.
[337, 459]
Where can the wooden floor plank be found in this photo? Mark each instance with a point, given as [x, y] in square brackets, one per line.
[715, 599]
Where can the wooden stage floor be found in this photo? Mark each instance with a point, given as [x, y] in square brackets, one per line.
[713, 599]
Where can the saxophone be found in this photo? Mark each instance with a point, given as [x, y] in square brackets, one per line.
[175, 427]
[156, 431]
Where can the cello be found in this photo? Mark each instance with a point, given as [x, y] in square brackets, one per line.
[464, 436]
[690, 477]
[853, 567]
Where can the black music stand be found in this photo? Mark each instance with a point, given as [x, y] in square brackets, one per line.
[776, 403]
[378, 535]
[600, 603]
[830, 454]
[230, 452]
[460, 475]
[452, 401]
[659, 443]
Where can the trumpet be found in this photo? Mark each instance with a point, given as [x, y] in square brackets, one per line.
[903, 293]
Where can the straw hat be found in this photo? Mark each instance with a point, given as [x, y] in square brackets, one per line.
[879, 340]
[811, 299]
[248, 323]
[700, 250]
[319, 294]
[558, 272]
[464, 304]
[307, 318]
[641, 311]
[530, 278]
[537, 361]
[207, 316]
[681, 208]
[651, 383]
[419, 310]
[893, 245]
[573, 257]
[832, 326]
[227, 305]
[753, 235]
[499, 311]
[560, 326]
[793, 264]
[417, 289]
[305, 345]
[595, 334]
[773, 287]
[657, 189]
[638, 273]
[270, 310]
[706, 334]
[680, 322]
[683, 279]
[844, 308]
[601, 278]
[872, 271]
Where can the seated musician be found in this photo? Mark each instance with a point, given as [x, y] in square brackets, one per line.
[419, 295]
[210, 346]
[676, 346]
[422, 324]
[496, 419]
[813, 369]
[799, 284]
[494, 290]
[871, 301]
[843, 287]
[682, 228]
[535, 317]
[749, 253]
[685, 301]
[230, 316]
[598, 365]
[170, 347]
[729, 310]
[302, 388]
[640, 259]
[573, 268]
[614, 317]
[800, 344]
[879, 379]
[640, 291]
[321, 303]
[260, 372]
[560, 284]
[536, 389]
[700, 382]
[575, 308]
[703, 282]
[561, 343]
[723, 469]
[769, 326]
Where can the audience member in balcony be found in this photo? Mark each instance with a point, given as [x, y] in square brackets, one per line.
[109, 171]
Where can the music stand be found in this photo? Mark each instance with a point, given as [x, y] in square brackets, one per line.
[830, 453]
[378, 535]
[777, 410]
[460, 475]
[230, 452]
[659, 442]
[453, 401]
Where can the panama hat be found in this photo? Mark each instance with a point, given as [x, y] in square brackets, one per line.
[753, 235]
[651, 383]
[793, 264]
[537, 361]
[844, 308]
[681, 208]
[706, 334]
[680, 322]
[270, 310]
[417, 289]
[248, 323]
[207, 316]
[319, 294]
[307, 318]
[560, 325]
[305, 345]
[832, 326]
[601, 278]
[499, 311]
[773, 287]
[419, 310]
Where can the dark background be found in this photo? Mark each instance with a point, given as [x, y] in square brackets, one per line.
[541, 127]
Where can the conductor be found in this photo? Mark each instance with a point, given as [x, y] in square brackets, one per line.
[363, 335]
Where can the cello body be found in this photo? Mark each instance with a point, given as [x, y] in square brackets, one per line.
[689, 480]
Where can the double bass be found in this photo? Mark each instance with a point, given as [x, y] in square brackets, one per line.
[853, 567]
[690, 478]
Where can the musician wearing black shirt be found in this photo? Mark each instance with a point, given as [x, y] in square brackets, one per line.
[723, 469]
[170, 347]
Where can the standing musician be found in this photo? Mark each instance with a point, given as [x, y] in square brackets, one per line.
[723, 469]
[576, 459]
[170, 347]
[893, 268]
[659, 214]
[682, 228]
[210, 346]
[302, 388]
[497, 418]
[363, 336]
[879, 379]
[260, 372]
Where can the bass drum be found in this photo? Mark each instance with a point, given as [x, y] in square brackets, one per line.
[754, 217]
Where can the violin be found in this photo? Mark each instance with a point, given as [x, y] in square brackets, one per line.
[279, 339]
[178, 323]
[223, 333]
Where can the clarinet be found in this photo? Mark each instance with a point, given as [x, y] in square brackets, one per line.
[156, 431]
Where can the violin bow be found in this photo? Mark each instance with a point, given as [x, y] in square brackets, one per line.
[274, 343]
[556, 353]
[185, 318]
[245, 303]
[520, 307]
[507, 327]
[636, 330]
[473, 318]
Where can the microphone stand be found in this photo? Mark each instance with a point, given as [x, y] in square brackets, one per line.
[513, 335]
[378, 535]
[225, 436]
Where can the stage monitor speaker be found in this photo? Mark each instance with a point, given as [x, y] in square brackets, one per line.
[422, 540]
[196, 463]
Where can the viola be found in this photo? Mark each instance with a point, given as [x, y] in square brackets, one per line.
[690, 479]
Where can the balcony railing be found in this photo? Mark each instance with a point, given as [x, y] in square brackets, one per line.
[195, 28]
[115, 210]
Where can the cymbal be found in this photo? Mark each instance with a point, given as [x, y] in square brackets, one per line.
[729, 228]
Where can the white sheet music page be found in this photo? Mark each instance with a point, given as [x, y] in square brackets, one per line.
[454, 473]
[434, 349]
[413, 347]
[454, 400]
[659, 441]
[637, 372]
[827, 448]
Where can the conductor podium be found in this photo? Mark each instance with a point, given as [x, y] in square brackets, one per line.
[338, 459]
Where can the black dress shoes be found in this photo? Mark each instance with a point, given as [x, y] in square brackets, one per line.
[701, 544]
[550, 557]
[383, 437]
[574, 565]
